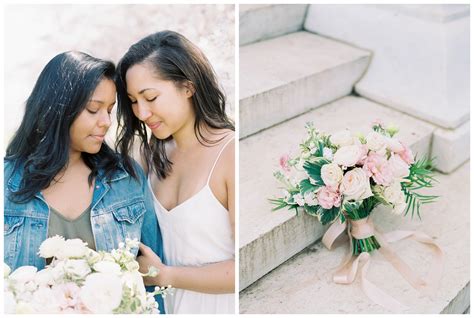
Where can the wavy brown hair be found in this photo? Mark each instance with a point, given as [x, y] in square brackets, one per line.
[173, 58]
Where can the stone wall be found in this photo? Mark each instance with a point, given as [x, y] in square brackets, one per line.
[36, 33]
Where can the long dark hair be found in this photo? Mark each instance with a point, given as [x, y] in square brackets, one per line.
[41, 144]
[173, 58]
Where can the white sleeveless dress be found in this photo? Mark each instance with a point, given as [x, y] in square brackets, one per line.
[195, 233]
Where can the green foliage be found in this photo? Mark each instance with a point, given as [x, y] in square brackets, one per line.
[357, 210]
[307, 186]
[313, 169]
[421, 176]
[325, 216]
[329, 216]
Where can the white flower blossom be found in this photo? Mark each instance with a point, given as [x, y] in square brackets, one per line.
[299, 199]
[400, 168]
[327, 153]
[348, 156]
[331, 174]
[102, 293]
[74, 248]
[52, 246]
[376, 142]
[342, 138]
[107, 267]
[355, 185]
[77, 268]
[310, 198]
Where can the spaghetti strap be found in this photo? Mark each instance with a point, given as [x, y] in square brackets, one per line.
[217, 159]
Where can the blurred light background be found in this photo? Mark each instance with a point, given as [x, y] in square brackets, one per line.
[36, 33]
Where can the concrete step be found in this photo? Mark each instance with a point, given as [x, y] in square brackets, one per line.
[258, 22]
[286, 76]
[304, 284]
[267, 238]
[451, 147]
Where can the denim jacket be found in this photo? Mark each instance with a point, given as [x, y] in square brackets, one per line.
[122, 207]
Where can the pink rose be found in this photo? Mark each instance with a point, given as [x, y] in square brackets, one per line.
[377, 167]
[406, 154]
[329, 197]
[284, 162]
[67, 295]
[364, 150]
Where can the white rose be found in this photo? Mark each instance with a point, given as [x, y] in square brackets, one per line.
[399, 167]
[394, 145]
[327, 153]
[134, 281]
[44, 301]
[101, 293]
[107, 267]
[58, 271]
[44, 277]
[342, 138]
[51, 247]
[392, 192]
[23, 274]
[299, 199]
[355, 185]
[348, 156]
[77, 268]
[376, 142]
[31, 286]
[331, 174]
[74, 248]
[310, 199]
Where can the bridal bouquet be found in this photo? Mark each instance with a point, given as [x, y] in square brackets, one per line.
[341, 178]
[347, 176]
[80, 280]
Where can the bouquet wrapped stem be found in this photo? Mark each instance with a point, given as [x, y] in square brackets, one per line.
[364, 245]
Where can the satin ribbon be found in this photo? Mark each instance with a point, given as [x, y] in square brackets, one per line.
[347, 271]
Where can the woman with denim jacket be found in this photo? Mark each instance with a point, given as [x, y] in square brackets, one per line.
[61, 178]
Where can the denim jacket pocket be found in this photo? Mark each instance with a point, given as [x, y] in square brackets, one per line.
[12, 234]
[129, 217]
[130, 213]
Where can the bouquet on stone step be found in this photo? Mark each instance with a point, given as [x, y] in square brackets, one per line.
[81, 280]
[344, 176]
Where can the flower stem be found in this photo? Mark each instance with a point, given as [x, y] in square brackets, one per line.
[364, 245]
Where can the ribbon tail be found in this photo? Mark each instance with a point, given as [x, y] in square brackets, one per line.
[347, 274]
[431, 283]
[333, 232]
[375, 294]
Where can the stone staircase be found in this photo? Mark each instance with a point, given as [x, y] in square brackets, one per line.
[285, 81]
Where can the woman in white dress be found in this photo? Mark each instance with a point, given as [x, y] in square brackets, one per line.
[166, 83]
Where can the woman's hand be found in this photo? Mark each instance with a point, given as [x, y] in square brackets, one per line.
[147, 259]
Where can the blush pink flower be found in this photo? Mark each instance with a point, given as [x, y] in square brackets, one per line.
[284, 162]
[67, 295]
[329, 197]
[363, 150]
[377, 167]
[406, 154]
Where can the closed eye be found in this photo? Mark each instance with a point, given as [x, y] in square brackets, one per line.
[152, 99]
